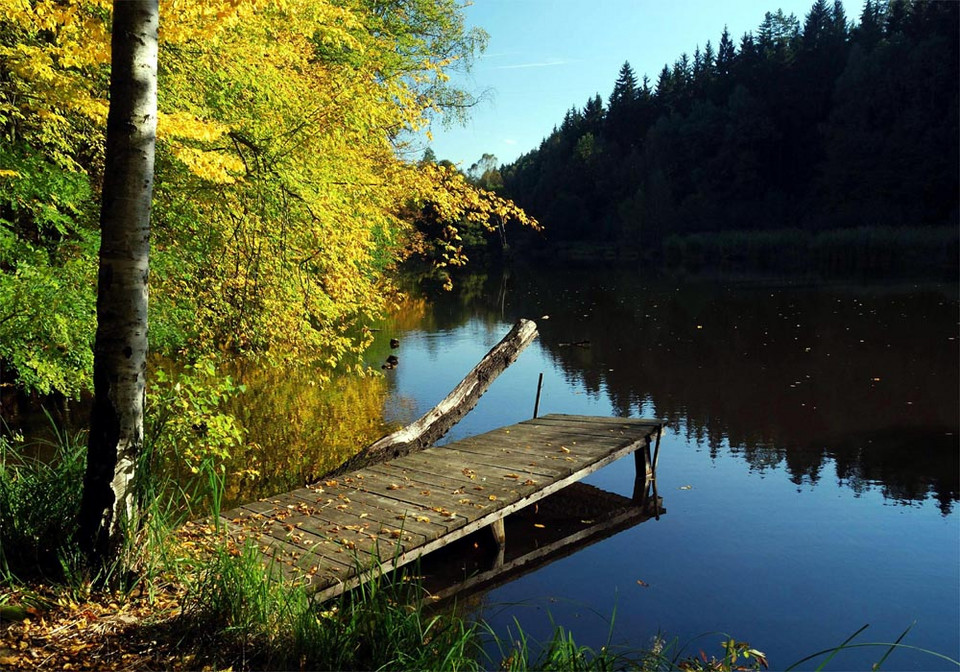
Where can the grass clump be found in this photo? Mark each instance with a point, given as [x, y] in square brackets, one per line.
[39, 499]
[253, 620]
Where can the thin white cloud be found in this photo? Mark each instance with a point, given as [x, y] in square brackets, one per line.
[509, 141]
[537, 64]
[499, 54]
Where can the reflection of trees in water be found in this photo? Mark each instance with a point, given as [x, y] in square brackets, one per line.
[780, 376]
[298, 430]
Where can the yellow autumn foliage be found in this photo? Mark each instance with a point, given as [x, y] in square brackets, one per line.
[282, 198]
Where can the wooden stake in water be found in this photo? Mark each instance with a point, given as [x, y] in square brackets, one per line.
[536, 404]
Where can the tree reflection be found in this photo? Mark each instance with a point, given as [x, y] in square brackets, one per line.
[780, 375]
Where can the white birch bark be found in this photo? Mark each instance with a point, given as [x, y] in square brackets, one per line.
[120, 351]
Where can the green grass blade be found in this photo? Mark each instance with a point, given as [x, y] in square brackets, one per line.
[833, 651]
[893, 646]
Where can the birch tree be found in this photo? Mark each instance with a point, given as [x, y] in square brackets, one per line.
[120, 350]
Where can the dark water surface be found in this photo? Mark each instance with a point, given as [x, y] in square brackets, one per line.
[810, 468]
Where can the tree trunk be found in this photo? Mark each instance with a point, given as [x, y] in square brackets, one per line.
[438, 420]
[120, 350]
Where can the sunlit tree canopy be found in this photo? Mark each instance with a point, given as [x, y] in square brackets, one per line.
[286, 183]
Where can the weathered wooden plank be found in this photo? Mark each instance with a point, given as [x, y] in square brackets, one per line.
[535, 451]
[551, 435]
[369, 516]
[441, 508]
[307, 542]
[469, 489]
[469, 466]
[403, 508]
[338, 531]
[535, 438]
[597, 420]
[466, 464]
[390, 512]
[267, 533]
[559, 458]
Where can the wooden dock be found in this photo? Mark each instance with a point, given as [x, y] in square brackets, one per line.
[334, 533]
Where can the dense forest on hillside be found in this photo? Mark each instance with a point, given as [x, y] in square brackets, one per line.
[822, 136]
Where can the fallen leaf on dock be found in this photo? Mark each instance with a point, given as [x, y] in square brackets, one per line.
[512, 476]
[422, 519]
[492, 498]
[331, 484]
[425, 493]
[564, 449]
[394, 486]
[529, 481]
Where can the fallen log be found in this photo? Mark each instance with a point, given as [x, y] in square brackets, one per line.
[436, 422]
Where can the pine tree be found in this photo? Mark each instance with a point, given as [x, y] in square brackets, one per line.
[840, 27]
[726, 53]
[625, 88]
[817, 25]
[709, 58]
[870, 30]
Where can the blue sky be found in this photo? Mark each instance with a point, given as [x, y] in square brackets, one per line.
[546, 56]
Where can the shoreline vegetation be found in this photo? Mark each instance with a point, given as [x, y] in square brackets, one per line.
[188, 596]
[865, 252]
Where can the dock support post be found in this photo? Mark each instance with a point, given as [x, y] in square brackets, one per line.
[536, 403]
[499, 532]
[644, 477]
[656, 459]
[645, 484]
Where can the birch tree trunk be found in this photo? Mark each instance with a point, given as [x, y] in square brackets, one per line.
[120, 350]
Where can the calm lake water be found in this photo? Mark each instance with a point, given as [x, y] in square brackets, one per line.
[809, 470]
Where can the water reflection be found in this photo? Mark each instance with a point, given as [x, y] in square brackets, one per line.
[298, 430]
[560, 524]
[798, 377]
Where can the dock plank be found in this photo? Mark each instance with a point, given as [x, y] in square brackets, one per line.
[334, 531]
